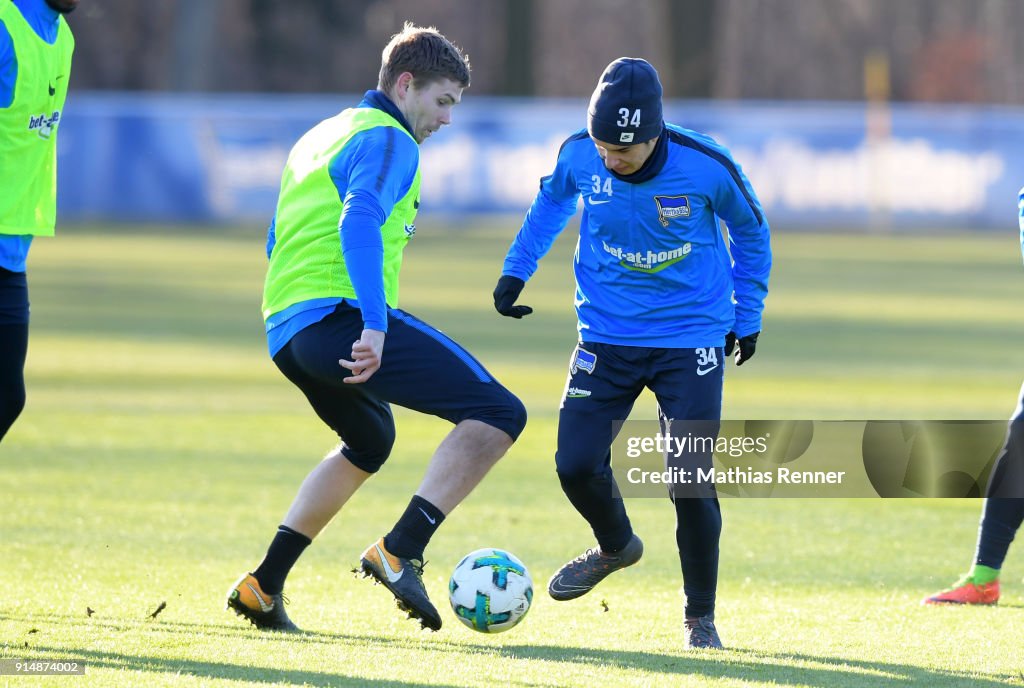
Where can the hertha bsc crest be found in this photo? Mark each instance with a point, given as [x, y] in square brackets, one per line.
[671, 207]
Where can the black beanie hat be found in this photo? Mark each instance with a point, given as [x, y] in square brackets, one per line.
[626, 105]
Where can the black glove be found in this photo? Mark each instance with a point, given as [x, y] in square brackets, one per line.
[748, 345]
[506, 293]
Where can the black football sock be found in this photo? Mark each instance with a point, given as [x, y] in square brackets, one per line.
[414, 529]
[285, 549]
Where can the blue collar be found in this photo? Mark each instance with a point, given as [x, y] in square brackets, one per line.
[379, 100]
[652, 167]
[43, 19]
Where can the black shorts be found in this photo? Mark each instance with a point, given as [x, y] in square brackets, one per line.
[421, 369]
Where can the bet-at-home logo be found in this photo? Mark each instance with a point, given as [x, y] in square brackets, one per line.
[647, 261]
[44, 125]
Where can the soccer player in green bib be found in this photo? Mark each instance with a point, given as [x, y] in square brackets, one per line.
[35, 64]
[346, 210]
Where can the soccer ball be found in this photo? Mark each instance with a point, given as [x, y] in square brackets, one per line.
[490, 590]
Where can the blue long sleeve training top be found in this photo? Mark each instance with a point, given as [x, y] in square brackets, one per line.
[369, 184]
[44, 21]
[651, 265]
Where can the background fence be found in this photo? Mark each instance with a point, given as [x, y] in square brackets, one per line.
[164, 158]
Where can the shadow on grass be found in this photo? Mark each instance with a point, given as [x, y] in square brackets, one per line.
[35, 630]
[98, 659]
[234, 628]
[749, 665]
[1011, 605]
[735, 664]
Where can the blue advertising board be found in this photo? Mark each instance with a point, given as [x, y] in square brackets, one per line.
[175, 158]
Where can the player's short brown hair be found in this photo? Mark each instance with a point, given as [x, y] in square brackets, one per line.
[426, 54]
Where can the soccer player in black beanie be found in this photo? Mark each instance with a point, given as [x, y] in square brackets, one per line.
[655, 290]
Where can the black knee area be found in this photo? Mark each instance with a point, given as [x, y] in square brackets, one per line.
[517, 416]
[13, 346]
[598, 486]
[11, 406]
[576, 475]
[507, 414]
[371, 460]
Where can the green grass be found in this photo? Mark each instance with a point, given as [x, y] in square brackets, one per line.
[160, 447]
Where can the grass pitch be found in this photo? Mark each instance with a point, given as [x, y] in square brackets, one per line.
[160, 448]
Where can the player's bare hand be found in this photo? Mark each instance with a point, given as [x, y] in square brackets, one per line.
[367, 352]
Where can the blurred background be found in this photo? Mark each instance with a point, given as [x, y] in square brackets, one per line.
[846, 114]
[937, 50]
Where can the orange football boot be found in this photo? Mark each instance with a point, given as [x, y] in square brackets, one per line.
[965, 591]
[265, 612]
[404, 578]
